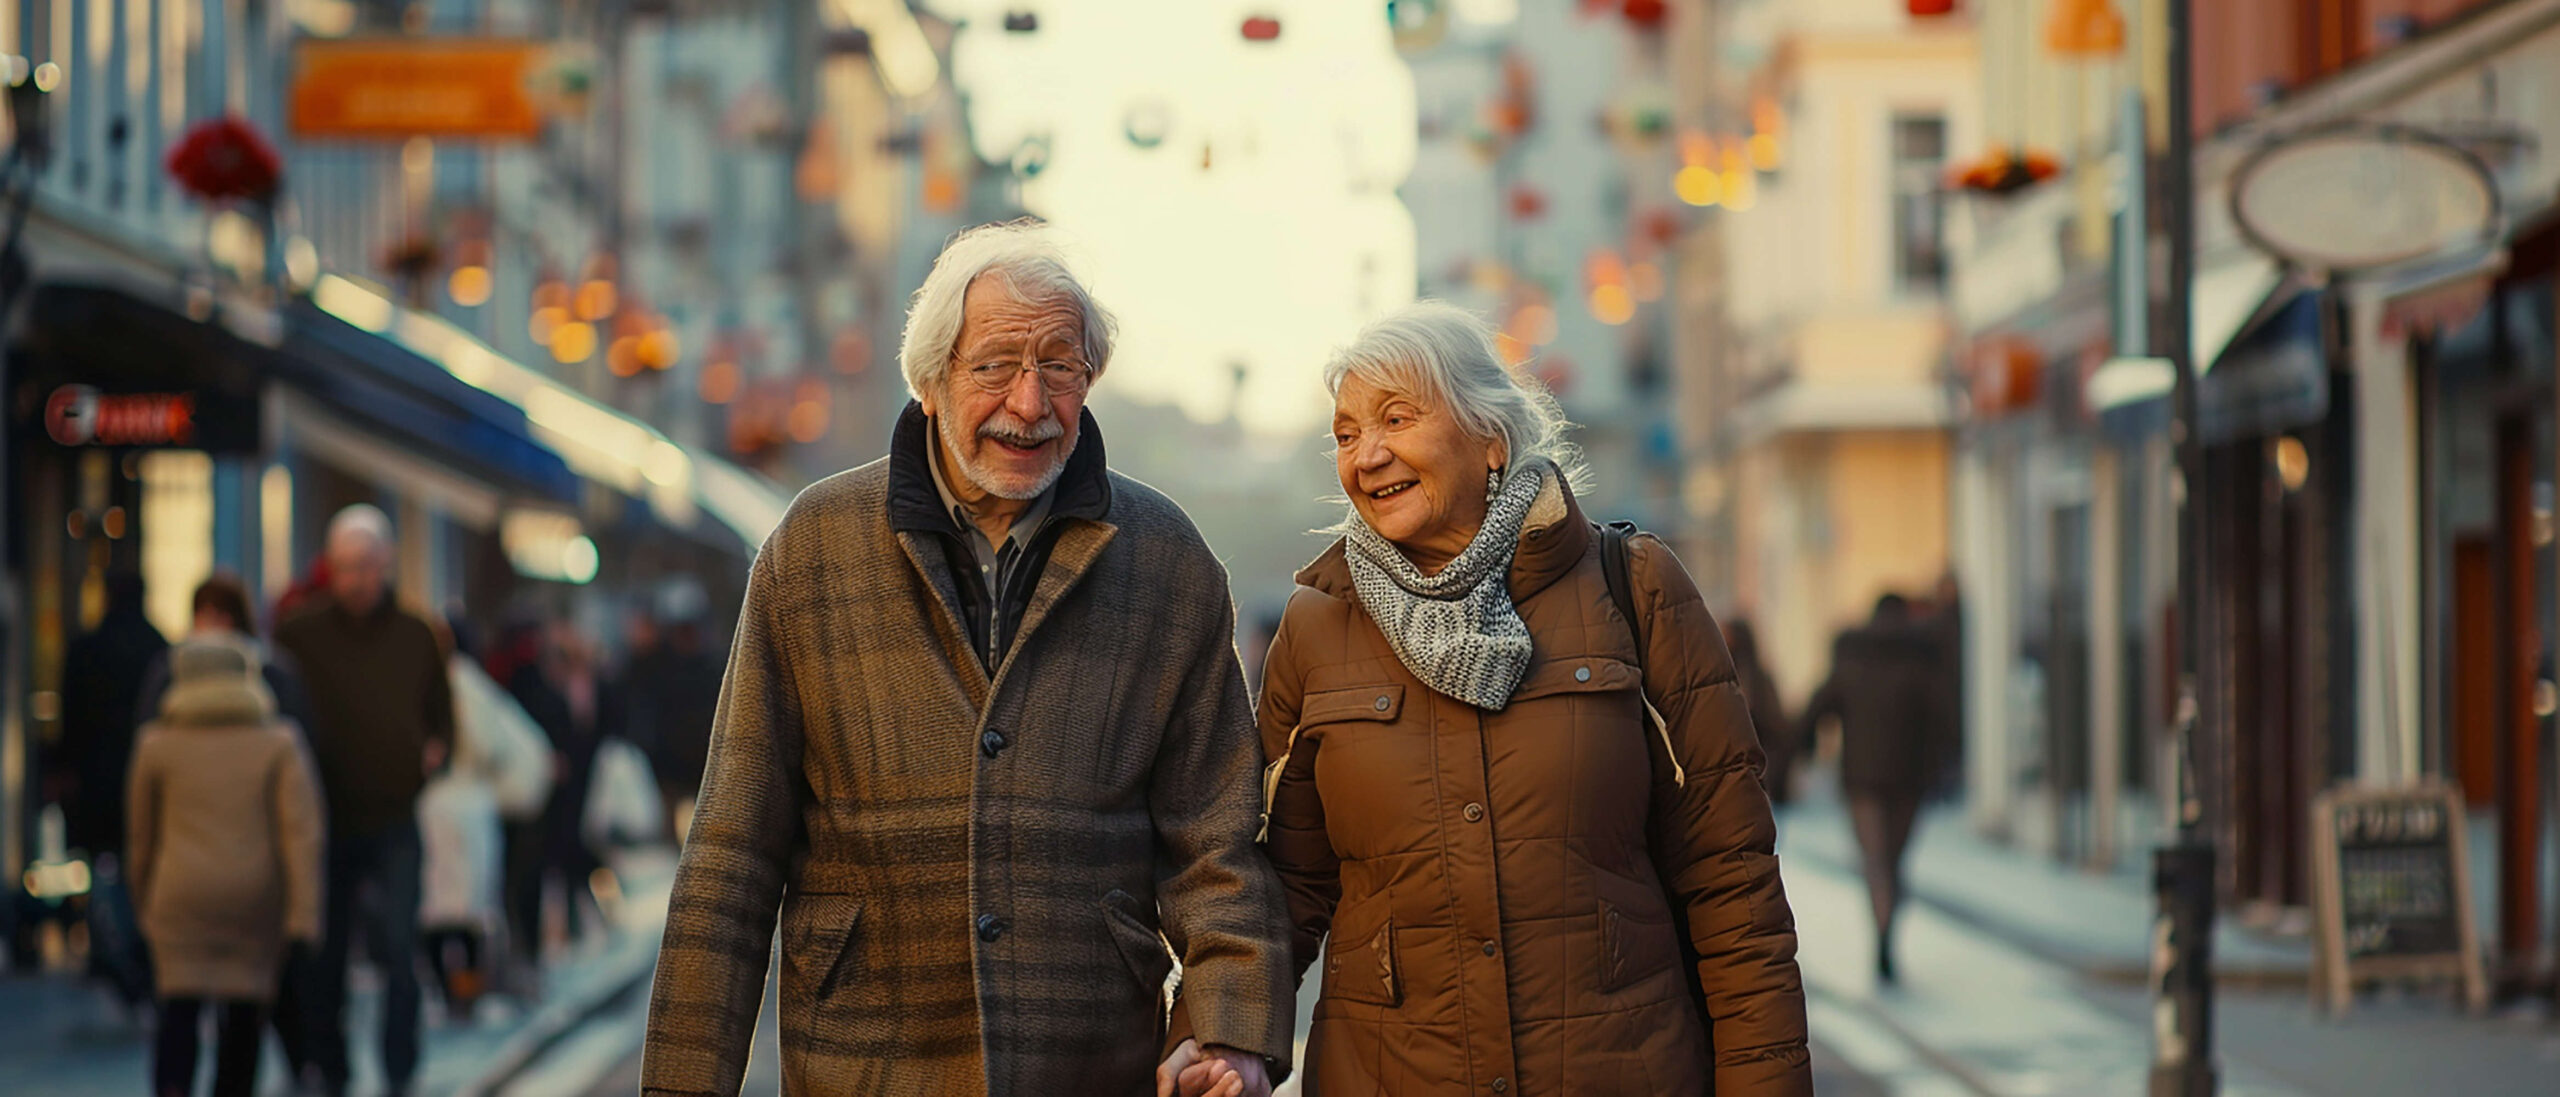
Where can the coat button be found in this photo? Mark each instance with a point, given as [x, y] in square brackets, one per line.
[1488, 948]
[1582, 674]
[1383, 703]
[992, 742]
[990, 927]
[1501, 1085]
[1474, 813]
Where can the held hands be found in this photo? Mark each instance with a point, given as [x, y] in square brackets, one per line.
[1212, 1072]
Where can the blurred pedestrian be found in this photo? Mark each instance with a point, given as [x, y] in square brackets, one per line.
[102, 678]
[1768, 710]
[568, 696]
[499, 743]
[984, 703]
[1887, 690]
[225, 860]
[221, 608]
[675, 682]
[1458, 646]
[382, 720]
[500, 771]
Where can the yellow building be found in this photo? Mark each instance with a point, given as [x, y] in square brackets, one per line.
[1812, 341]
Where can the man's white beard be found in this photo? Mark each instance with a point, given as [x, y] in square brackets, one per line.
[988, 482]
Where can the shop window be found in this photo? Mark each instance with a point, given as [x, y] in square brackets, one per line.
[177, 535]
[1919, 218]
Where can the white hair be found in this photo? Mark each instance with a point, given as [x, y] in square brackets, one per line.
[1027, 256]
[1445, 355]
[363, 520]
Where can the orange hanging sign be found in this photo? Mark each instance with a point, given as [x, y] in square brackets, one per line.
[2084, 28]
[398, 88]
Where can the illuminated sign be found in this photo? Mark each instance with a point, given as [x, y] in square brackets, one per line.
[78, 415]
[397, 88]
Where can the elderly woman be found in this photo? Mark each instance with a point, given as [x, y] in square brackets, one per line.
[1498, 851]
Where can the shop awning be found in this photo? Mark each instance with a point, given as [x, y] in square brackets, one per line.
[600, 443]
[2273, 378]
[2235, 304]
[111, 340]
[391, 389]
[395, 402]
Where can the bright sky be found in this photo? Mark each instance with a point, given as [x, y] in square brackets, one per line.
[1279, 249]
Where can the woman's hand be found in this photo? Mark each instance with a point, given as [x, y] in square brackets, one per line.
[1216, 1072]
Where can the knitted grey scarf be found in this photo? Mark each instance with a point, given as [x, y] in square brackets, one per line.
[1457, 630]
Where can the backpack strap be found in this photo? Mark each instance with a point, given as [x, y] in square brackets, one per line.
[1613, 570]
[1614, 556]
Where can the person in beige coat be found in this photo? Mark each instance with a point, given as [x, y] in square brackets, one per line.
[224, 838]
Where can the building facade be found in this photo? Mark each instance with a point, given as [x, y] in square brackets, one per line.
[2377, 500]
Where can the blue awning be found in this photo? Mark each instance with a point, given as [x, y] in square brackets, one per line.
[2274, 377]
[388, 387]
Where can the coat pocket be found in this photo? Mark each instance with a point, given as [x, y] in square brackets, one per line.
[1141, 945]
[1360, 959]
[1635, 931]
[818, 938]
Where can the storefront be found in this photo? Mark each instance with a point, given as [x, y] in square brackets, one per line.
[2480, 353]
[150, 434]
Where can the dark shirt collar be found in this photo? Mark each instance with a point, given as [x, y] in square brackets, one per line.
[916, 505]
[1026, 525]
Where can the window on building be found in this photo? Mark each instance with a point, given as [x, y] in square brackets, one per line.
[1919, 219]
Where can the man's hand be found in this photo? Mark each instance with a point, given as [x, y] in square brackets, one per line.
[1184, 1054]
[1225, 1072]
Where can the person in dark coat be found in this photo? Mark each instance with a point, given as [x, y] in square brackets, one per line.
[382, 720]
[1768, 710]
[579, 709]
[675, 686]
[1886, 689]
[102, 675]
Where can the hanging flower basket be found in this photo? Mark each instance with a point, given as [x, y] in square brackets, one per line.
[2006, 171]
[225, 160]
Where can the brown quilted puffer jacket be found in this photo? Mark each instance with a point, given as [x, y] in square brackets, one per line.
[1497, 891]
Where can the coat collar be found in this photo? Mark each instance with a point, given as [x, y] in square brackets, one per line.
[915, 503]
[1553, 541]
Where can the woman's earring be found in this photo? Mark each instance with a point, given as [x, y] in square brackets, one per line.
[1492, 484]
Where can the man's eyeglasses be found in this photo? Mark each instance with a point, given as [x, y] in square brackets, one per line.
[1058, 376]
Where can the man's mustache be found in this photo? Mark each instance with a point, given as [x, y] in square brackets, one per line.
[1003, 427]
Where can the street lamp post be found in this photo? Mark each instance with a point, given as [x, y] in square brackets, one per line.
[2182, 1063]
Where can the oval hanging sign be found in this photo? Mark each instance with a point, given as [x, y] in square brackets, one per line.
[2363, 198]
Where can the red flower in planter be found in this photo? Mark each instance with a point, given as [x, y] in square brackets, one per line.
[225, 160]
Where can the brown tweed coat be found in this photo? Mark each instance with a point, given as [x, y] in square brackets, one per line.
[977, 875]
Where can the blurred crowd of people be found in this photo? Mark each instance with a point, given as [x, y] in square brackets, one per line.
[254, 806]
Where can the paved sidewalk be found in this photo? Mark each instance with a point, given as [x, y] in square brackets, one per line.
[1974, 1016]
[2013, 984]
[2098, 924]
[65, 1037]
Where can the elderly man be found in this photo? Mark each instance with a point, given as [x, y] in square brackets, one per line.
[381, 720]
[985, 744]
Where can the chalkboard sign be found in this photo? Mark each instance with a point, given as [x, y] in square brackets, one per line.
[2392, 882]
